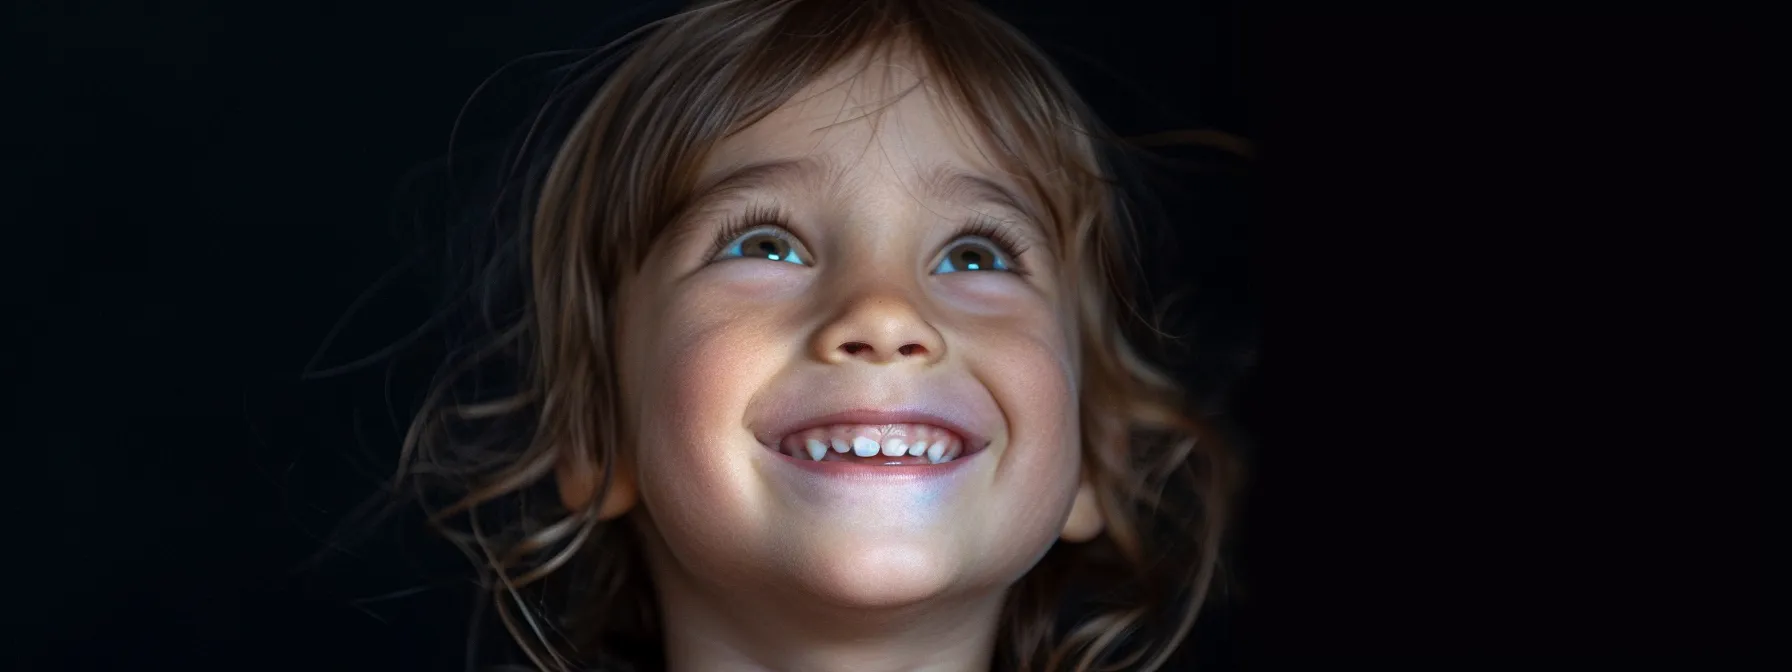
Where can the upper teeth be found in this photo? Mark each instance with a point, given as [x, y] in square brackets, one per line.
[936, 443]
[863, 447]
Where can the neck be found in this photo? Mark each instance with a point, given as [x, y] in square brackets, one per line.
[747, 628]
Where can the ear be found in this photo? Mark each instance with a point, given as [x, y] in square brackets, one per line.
[578, 477]
[1085, 521]
[1107, 434]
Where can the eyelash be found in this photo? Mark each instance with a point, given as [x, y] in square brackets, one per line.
[741, 223]
[980, 226]
[988, 228]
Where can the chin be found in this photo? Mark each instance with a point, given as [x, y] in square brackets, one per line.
[879, 576]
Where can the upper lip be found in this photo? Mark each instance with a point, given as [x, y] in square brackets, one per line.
[959, 418]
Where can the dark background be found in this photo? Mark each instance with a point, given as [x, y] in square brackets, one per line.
[1507, 269]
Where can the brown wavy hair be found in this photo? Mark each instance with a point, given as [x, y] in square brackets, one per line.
[571, 589]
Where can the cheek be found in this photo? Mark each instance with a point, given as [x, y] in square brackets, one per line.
[1028, 361]
[1029, 369]
[695, 371]
[1038, 387]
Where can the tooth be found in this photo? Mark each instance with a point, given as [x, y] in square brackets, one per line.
[817, 449]
[936, 453]
[864, 447]
[840, 446]
[917, 449]
[894, 447]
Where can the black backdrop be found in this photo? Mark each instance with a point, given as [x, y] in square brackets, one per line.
[1507, 264]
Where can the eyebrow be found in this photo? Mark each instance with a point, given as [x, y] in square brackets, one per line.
[942, 181]
[770, 173]
[948, 183]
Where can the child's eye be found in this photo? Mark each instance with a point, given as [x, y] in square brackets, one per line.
[765, 243]
[972, 254]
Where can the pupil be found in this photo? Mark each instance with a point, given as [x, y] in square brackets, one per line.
[769, 247]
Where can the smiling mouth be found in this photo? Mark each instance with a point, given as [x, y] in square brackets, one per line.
[896, 445]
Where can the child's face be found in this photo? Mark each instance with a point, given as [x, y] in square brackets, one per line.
[728, 354]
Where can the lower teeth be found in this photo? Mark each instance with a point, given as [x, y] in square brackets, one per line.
[880, 460]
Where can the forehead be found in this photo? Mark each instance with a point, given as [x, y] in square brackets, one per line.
[870, 118]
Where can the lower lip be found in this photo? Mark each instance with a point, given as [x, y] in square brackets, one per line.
[862, 471]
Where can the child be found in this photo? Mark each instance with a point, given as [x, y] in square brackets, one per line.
[822, 368]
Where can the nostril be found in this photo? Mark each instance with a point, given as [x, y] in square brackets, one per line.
[855, 348]
[911, 349]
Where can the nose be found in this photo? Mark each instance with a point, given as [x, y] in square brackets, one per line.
[880, 329]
